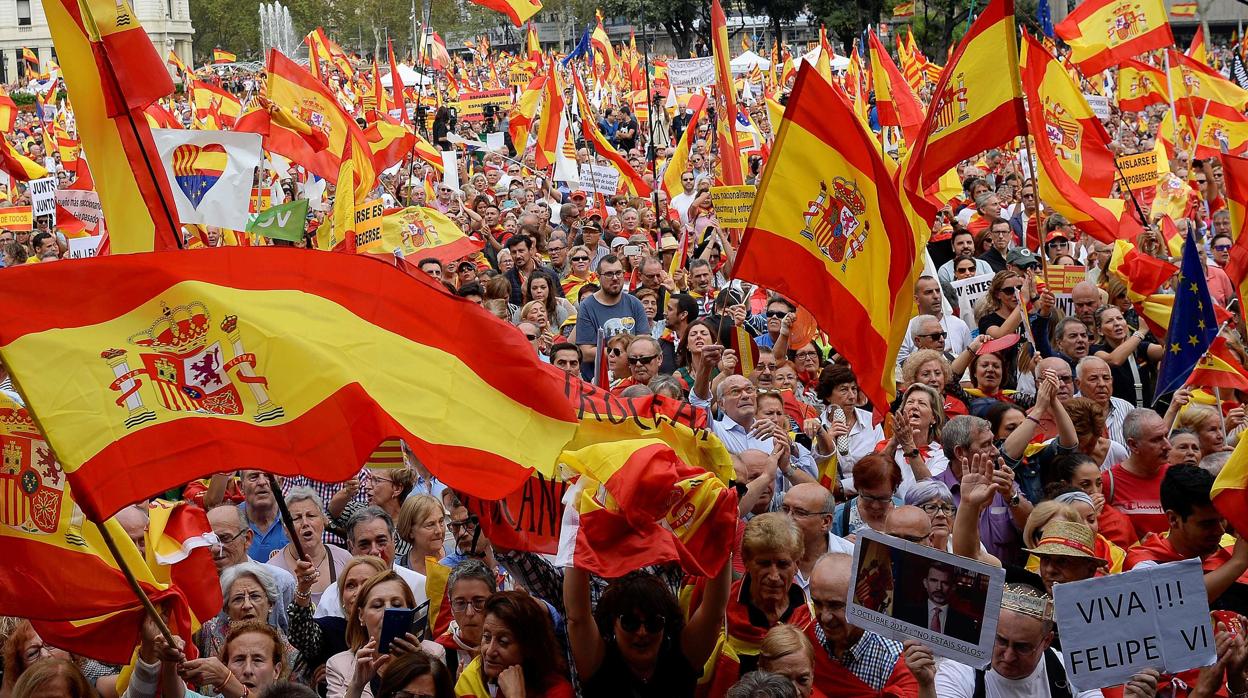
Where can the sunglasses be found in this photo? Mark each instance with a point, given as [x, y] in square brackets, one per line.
[1222, 248]
[639, 360]
[530, 337]
[580, 258]
[631, 623]
[777, 313]
[614, 351]
[935, 335]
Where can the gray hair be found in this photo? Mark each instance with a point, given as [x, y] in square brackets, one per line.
[1214, 462]
[661, 383]
[1133, 423]
[468, 570]
[306, 494]
[256, 571]
[365, 515]
[636, 390]
[1085, 362]
[760, 684]
[959, 431]
[1060, 330]
[983, 199]
[916, 323]
[924, 491]
[646, 338]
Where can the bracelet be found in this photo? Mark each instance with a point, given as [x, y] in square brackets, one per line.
[1032, 419]
[303, 595]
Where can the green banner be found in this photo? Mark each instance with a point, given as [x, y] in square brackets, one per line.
[284, 222]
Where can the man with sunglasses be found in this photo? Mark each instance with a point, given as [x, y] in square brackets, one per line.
[644, 357]
[682, 201]
[954, 337]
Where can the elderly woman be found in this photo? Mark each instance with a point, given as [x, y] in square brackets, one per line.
[384, 590]
[876, 479]
[931, 368]
[787, 652]
[1205, 422]
[249, 593]
[579, 273]
[307, 513]
[638, 637]
[516, 661]
[768, 594]
[915, 444]
[422, 525]
[468, 587]
[935, 499]
[1184, 447]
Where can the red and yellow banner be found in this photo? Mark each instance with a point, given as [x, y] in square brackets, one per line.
[199, 361]
[896, 104]
[1140, 85]
[222, 56]
[1235, 178]
[16, 218]
[518, 11]
[418, 232]
[1103, 33]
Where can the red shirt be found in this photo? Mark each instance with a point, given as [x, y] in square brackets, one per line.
[1137, 497]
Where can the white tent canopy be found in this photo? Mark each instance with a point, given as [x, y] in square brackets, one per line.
[409, 76]
[837, 62]
[747, 62]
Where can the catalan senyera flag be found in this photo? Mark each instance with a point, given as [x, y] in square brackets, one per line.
[1219, 368]
[201, 360]
[680, 156]
[827, 230]
[725, 97]
[19, 166]
[894, 102]
[520, 123]
[1140, 85]
[222, 56]
[1195, 83]
[418, 232]
[978, 104]
[1075, 167]
[637, 504]
[518, 11]
[112, 72]
[1103, 33]
[1230, 488]
[1235, 178]
[1183, 9]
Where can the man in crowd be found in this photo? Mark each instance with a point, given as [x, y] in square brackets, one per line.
[370, 531]
[608, 310]
[1134, 485]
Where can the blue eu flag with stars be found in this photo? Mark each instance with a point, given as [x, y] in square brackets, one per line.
[1192, 323]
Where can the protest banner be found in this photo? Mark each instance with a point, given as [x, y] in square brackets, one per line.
[83, 205]
[368, 226]
[599, 179]
[519, 76]
[895, 580]
[16, 218]
[472, 105]
[969, 291]
[261, 199]
[1099, 105]
[733, 204]
[1061, 280]
[689, 74]
[1112, 627]
[1140, 170]
[81, 248]
[43, 196]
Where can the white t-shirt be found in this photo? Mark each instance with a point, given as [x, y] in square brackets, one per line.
[955, 680]
[681, 203]
[329, 605]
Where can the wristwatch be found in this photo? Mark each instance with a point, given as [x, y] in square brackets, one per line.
[1015, 500]
[912, 453]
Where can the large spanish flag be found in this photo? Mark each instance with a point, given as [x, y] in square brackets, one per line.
[1230, 488]
[1235, 178]
[417, 232]
[550, 123]
[895, 103]
[827, 230]
[1139, 85]
[520, 120]
[1076, 168]
[112, 73]
[1103, 33]
[1219, 368]
[679, 162]
[207, 360]
[1223, 131]
[1195, 83]
[978, 104]
[19, 166]
[725, 97]
[518, 11]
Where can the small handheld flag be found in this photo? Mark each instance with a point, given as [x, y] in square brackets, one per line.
[1192, 323]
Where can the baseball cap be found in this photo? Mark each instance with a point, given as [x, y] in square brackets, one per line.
[1057, 234]
[1021, 257]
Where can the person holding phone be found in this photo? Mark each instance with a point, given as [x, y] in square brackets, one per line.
[348, 673]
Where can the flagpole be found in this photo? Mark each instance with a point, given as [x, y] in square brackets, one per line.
[654, 153]
[282, 509]
[152, 612]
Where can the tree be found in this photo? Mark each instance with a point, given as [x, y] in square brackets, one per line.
[233, 25]
[681, 19]
[778, 11]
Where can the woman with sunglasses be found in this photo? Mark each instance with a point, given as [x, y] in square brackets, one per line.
[1000, 313]
[578, 274]
[637, 640]
[1131, 355]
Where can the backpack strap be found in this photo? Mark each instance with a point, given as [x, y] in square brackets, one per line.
[981, 690]
[1059, 687]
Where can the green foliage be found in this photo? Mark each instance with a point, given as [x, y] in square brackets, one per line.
[679, 18]
[233, 25]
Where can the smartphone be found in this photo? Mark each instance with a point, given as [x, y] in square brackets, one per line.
[396, 622]
[631, 250]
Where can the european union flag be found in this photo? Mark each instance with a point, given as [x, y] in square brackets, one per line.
[1192, 323]
[582, 48]
[1045, 18]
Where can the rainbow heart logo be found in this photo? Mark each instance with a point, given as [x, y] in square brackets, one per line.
[197, 168]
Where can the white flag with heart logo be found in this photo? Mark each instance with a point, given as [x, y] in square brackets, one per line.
[210, 173]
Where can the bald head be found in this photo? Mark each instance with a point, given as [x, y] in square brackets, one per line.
[134, 521]
[909, 523]
[1086, 298]
[833, 572]
[1060, 368]
[809, 496]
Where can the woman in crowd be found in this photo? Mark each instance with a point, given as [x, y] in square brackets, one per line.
[1088, 417]
[1206, 424]
[1000, 313]
[1084, 506]
[935, 499]
[931, 368]
[700, 333]
[1004, 419]
[1132, 356]
[415, 675]
[809, 362]
[519, 656]
[23, 648]
[787, 652]
[1184, 447]
[535, 312]
[579, 273]
[876, 480]
[384, 590]
[307, 512]
[540, 287]
[59, 678]
[988, 378]
[249, 592]
[637, 636]
[1081, 472]
[915, 444]
[617, 356]
[422, 524]
[468, 587]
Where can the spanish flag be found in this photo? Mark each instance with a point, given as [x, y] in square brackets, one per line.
[827, 230]
[325, 48]
[198, 361]
[978, 104]
[112, 73]
[551, 123]
[629, 178]
[205, 95]
[520, 121]
[636, 504]
[1183, 9]
[19, 166]
[424, 150]
[30, 57]
[1219, 368]
[178, 552]
[604, 52]
[1140, 85]
[1103, 33]
[1230, 488]
[8, 112]
[177, 63]
[518, 11]
[1076, 168]
[396, 85]
[1196, 83]
[894, 102]
[418, 232]
[222, 56]
[1197, 50]
[679, 161]
[725, 98]
[1223, 131]
[1235, 178]
[1141, 274]
[389, 141]
[904, 9]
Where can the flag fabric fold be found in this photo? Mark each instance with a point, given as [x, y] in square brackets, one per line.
[1103, 33]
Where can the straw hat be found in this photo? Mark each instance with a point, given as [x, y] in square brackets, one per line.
[1068, 538]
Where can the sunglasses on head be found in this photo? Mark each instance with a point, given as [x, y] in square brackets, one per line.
[630, 622]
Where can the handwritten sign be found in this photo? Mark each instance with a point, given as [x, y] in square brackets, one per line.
[1111, 627]
[733, 204]
[691, 73]
[968, 293]
[1140, 170]
[83, 205]
[81, 248]
[43, 196]
[601, 179]
[471, 105]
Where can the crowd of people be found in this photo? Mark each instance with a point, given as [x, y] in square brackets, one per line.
[1022, 436]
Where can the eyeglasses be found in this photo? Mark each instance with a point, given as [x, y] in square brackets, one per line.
[631, 623]
[461, 605]
[530, 337]
[933, 508]
[1221, 248]
[639, 360]
[612, 274]
[799, 513]
[558, 249]
[382, 479]
[807, 354]
[777, 313]
[467, 524]
[875, 497]
[934, 335]
[224, 540]
[580, 258]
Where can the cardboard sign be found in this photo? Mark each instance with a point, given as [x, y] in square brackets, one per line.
[1111, 627]
[968, 293]
[16, 218]
[733, 204]
[368, 225]
[81, 248]
[261, 199]
[43, 196]
[1140, 170]
[519, 77]
[471, 105]
[83, 205]
[600, 179]
[896, 582]
[691, 73]
[1100, 106]
[1061, 280]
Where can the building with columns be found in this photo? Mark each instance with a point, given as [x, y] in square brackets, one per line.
[24, 25]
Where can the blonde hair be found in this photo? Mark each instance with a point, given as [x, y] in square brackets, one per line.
[1194, 416]
[376, 563]
[1042, 514]
[414, 510]
[781, 641]
[910, 367]
[524, 311]
[357, 634]
[771, 532]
